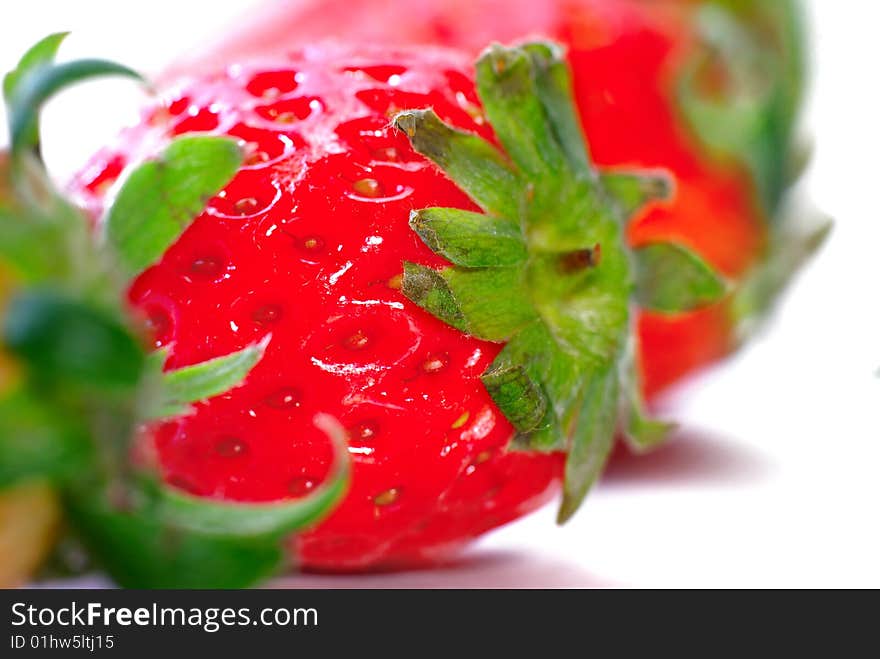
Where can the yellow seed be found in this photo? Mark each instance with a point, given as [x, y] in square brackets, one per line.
[460, 421]
[368, 187]
[246, 205]
[387, 497]
[358, 340]
[434, 364]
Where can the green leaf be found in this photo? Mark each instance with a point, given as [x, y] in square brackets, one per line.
[469, 239]
[554, 87]
[428, 289]
[488, 303]
[62, 339]
[262, 520]
[792, 245]
[31, 91]
[38, 441]
[493, 301]
[181, 387]
[139, 550]
[673, 279]
[507, 88]
[641, 432]
[40, 54]
[515, 392]
[474, 164]
[633, 191]
[161, 198]
[591, 441]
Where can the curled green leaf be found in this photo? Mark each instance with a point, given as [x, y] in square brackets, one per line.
[262, 520]
[40, 54]
[138, 549]
[38, 84]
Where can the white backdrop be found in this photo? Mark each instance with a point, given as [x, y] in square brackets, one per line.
[774, 478]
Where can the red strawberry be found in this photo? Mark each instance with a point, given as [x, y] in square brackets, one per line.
[305, 250]
[631, 61]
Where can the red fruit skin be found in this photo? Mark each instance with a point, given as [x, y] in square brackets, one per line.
[304, 246]
[626, 57]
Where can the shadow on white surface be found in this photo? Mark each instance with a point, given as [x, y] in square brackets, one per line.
[477, 569]
[486, 568]
[690, 457]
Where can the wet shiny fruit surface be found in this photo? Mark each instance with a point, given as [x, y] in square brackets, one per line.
[306, 246]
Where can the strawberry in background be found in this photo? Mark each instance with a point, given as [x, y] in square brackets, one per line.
[705, 90]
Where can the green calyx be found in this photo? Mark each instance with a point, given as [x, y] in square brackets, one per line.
[87, 384]
[545, 268]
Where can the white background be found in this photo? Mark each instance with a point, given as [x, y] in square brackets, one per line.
[774, 478]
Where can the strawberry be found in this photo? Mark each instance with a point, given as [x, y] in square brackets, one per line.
[305, 250]
[415, 255]
[707, 90]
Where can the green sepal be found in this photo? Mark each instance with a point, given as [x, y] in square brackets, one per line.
[792, 244]
[63, 339]
[592, 437]
[38, 84]
[633, 191]
[546, 438]
[138, 549]
[507, 86]
[179, 388]
[673, 279]
[519, 397]
[428, 289]
[262, 520]
[36, 441]
[554, 87]
[459, 297]
[469, 239]
[157, 537]
[162, 197]
[641, 431]
[484, 173]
